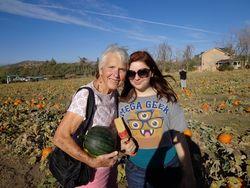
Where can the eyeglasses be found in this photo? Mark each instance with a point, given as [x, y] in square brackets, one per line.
[142, 73]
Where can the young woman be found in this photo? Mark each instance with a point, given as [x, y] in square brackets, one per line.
[150, 110]
[112, 71]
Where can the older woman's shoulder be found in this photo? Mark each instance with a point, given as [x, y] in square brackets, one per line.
[82, 92]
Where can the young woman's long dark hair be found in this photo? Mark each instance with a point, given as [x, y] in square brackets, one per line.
[158, 82]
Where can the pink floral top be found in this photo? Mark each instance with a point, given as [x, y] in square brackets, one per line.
[105, 112]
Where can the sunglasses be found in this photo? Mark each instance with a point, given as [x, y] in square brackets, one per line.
[142, 73]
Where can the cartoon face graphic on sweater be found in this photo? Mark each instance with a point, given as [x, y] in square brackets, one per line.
[146, 127]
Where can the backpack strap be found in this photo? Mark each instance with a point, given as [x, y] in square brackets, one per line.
[87, 123]
[117, 95]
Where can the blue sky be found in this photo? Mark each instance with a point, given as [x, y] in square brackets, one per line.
[68, 29]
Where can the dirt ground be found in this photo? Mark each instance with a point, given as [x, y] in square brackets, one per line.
[16, 172]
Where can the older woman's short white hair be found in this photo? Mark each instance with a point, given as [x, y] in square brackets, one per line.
[121, 51]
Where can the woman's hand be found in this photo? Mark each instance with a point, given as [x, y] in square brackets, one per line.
[106, 160]
[128, 145]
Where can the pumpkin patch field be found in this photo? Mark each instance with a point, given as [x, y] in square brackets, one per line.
[216, 106]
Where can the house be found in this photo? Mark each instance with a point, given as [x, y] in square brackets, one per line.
[211, 59]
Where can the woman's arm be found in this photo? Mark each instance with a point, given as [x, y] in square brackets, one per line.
[64, 141]
[188, 179]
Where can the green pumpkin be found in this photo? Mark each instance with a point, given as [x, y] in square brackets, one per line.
[99, 140]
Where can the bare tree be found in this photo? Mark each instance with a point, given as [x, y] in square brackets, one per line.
[243, 45]
[188, 54]
[164, 55]
[229, 43]
[237, 44]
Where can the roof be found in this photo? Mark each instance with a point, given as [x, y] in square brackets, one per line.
[224, 60]
[220, 49]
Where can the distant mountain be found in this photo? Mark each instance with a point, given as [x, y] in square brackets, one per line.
[50, 69]
[27, 63]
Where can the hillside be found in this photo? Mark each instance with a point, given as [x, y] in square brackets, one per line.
[51, 69]
[27, 63]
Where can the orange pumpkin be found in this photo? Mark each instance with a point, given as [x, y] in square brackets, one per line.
[187, 132]
[236, 103]
[46, 152]
[188, 93]
[17, 102]
[222, 105]
[225, 138]
[40, 106]
[205, 107]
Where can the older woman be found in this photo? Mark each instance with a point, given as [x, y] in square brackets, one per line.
[112, 72]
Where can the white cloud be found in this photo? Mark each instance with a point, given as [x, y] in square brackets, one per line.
[151, 22]
[45, 12]
[140, 36]
[34, 11]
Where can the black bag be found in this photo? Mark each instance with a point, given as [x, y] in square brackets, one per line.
[162, 175]
[68, 171]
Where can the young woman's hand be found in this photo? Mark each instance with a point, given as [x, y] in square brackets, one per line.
[128, 146]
